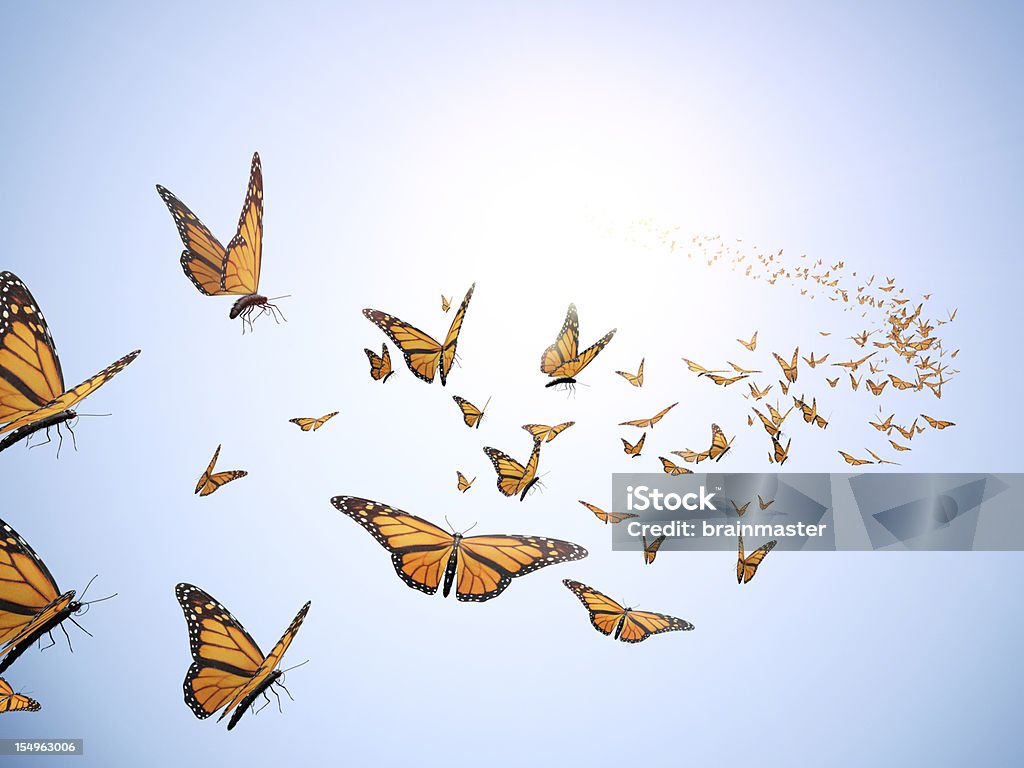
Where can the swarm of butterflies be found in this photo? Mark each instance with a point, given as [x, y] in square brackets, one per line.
[228, 670]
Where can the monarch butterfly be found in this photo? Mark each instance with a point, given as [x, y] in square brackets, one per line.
[446, 303]
[636, 381]
[233, 271]
[313, 424]
[832, 382]
[545, 433]
[464, 484]
[879, 459]
[32, 391]
[872, 368]
[811, 412]
[750, 345]
[625, 624]
[15, 702]
[770, 426]
[853, 461]
[651, 550]
[725, 381]
[632, 449]
[746, 567]
[854, 383]
[789, 370]
[779, 454]
[211, 481]
[740, 510]
[883, 426]
[700, 370]
[899, 383]
[853, 365]
[513, 477]
[909, 432]
[936, 424]
[741, 369]
[480, 567]
[228, 668]
[422, 352]
[876, 389]
[860, 339]
[470, 413]
[30, 603]
[562, 360]
[608, 517]
[899, 447]
[380, 366]
[764, 504]
[651, 421]
[671, 468]
[756, 393]
[814, 363]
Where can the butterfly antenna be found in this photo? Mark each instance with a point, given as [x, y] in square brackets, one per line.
[286, 671]
[283, 296]
[449, 523]
[91, 414]
[469, 529]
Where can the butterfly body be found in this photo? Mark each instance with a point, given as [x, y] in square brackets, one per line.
[247, 305]
[45, 423]
[245, 703]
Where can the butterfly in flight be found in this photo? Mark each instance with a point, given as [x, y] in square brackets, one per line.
[671, 468]
[643, 423]
[746, 567]
[562, 360]
[233, 271]
[651, 550]
[699, 369]
[464, 484]
[211, 481]
[32, 391]
[779, 454]
[513, 477]
[31, 605]
[632, 449]
[446, 303]
[544, 433]
[636, 381]
[937, 424]
[756, 393]
[313, 424]
[423, 353]
[832, 382]
[15, 702]
[470, 413]
[228, 668]
[740, 510]
[479, 567]
[608, 517]
[852, 460]
[879, 459]
[380, 365]
[789, 370]
[625, 624]
[764, 504]
[750, 345]
[719, 446]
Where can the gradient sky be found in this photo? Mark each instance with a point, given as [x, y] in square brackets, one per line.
[410, 150]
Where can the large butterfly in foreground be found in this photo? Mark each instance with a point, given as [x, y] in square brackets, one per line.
[313, 424]
[31, 605]
[15, 702]
[32, 391]
[211, 481]
[233, 271]
[513, 477]
[562, 360]
[423, 353]
[629, 626]
[228, 668]
[480, 567]
[746, 567]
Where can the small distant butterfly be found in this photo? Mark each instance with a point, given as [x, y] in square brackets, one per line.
[740, 510]
[854, 383]
[853, 461]
[625, 624]
[632, 449]
[479, 567]
[764, 504]
[879, 459]
[811, 412]
[608, 517]
[700, 370]
[470, 413]
[15, 702]
[464, 484]
[899, 447]
[638, 379]
[380, 366]
[832, 382]
[513, 477]
[936, 424]
[446, 303]
[313, 424]
[545, 433]
[789, 370]
[883, 426]
[651, 550]
[752, 344]
[228, 668]
[562, 360]
[747, 566]
[779, 454]
[651, 421]
[423, 354]
[725, 381]
[671, 468]
[784, 386]
[876, 389]
[756, 393]
[211, 481]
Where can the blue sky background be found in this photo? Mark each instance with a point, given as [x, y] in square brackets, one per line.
[412, 150]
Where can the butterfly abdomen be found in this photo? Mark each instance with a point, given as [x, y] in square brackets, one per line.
[52, 623]
[621, 623]
[452, 567]
[245, 703]
[23, 432]
[568, 381]
[247, 304]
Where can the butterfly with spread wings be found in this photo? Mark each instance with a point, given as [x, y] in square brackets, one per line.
[423, 353]
[938, 423]
[513, 477]
[852, 460]
[633, 449]
[446, 303]
[313, 424]
[32, 391]
[638, 379]
[15, 702]
[479, 567]
[608, 517]
[228, 668]
[211, 481]
[747, 566]
[789, 370]
[464, 484]
[233, 271]
[750, 345]
[644, 423]
[719, 447]
[380, 365]
[31, 605]
[562, 360]
[669, 467]
[625, 624]
[764, 504]
[544, 433]
[470, 413]
[651, 550]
